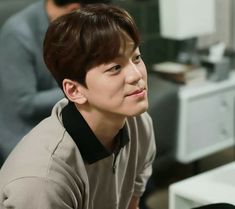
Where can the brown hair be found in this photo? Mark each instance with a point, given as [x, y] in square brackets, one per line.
[91, 36]
[82, 2]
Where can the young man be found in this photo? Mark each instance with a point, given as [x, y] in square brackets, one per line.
[96, 149]
[28, 92]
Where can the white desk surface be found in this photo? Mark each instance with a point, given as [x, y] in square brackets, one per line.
[207, 86]
[217, 185]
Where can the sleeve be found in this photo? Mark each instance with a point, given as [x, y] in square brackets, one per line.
[147, 153]
[38, 193]
[18, 79]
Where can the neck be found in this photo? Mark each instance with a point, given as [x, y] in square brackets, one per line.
[51, 10]
[105, 126]
[54, 11]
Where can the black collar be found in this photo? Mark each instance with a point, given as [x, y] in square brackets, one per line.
[90, 147]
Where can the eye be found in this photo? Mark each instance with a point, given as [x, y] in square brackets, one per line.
[137, 59]
[114, 69]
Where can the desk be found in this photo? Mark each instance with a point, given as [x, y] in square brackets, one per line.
[217, 185]
[206, 118]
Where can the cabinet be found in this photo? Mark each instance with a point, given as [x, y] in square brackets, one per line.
[205, 119]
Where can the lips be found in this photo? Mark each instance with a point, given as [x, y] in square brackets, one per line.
[136, 92]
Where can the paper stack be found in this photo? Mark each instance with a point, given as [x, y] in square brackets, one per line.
[180, 73]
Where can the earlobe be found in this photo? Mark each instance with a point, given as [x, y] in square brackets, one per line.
[73, 91]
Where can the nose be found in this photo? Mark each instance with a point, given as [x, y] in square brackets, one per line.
[133, 73]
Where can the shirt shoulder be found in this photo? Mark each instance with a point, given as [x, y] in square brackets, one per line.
[46, 159]
[142, 124]
[45, 151]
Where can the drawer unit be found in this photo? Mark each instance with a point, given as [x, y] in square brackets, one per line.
[205, 120]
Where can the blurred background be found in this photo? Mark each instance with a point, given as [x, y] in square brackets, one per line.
[189, 48]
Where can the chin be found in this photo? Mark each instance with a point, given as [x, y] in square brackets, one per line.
[138, 111]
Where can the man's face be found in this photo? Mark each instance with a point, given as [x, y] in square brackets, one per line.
[118, 87]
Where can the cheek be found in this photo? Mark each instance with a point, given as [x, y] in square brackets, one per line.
[114, 88]
[143, 70]
[108, 88]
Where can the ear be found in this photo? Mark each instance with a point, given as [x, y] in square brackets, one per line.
[73, 6]
[73, 91]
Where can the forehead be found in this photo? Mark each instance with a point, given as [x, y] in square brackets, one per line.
[112, 49]
[127, 47]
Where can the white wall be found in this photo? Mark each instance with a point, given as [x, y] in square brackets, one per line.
[224, 25]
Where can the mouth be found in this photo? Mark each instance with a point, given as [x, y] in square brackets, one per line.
[138, 92]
